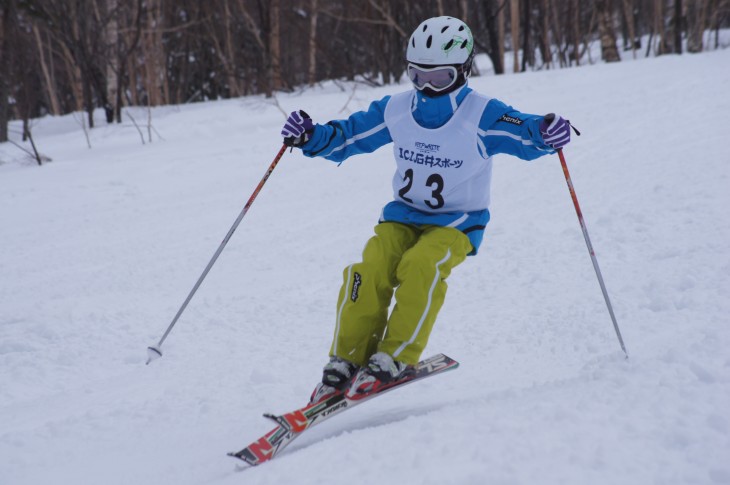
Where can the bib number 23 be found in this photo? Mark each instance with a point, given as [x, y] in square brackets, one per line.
[434, 181]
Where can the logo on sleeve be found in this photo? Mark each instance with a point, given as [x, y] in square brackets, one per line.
[356, 287]
[511, 119]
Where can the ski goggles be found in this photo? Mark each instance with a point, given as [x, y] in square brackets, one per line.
[437, 78]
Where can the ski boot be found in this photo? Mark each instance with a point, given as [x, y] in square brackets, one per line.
[379, 374]
[336, 377]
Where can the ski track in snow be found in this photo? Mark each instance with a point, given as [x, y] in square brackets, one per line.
[100, 247]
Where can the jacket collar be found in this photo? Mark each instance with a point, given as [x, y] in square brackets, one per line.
[433, 112]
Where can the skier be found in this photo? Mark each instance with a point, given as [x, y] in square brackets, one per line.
[444, 135]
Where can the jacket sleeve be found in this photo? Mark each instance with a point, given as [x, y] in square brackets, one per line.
[362, 132]
[503, 129]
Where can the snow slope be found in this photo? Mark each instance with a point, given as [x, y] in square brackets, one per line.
[99, 248]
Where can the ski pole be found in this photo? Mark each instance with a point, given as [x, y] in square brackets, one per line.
[155, 351]
[590, 249]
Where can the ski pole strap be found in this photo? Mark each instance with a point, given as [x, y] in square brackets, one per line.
[574, 129]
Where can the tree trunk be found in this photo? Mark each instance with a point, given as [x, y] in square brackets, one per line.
[575, 24]
[6, 51]
[113, 66]
[607, 31]
[87, 96]
[492, 26]
[545, 51]
[500, 38]
[127, 61]
[74, 77]
[313, 17]
[112, 60]
[51, 91]
[559, 33]
[629, 16]
[677, 25]
[721, 8]
[514, 12]
[696, 20]
[230, 55]
[134, 87]
[440, 7]
[659, 28]
[77, 45]
[264, 66]
[527, 51]
[275, 44]
[100, 53]
[153, 55]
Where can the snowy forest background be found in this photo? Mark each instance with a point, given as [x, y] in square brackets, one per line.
[63, 56]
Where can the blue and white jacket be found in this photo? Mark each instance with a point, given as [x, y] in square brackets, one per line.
[502, 129]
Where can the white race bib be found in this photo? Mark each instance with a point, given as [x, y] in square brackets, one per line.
[439, 170]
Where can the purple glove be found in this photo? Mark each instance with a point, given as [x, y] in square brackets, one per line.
[298, 129]
[555, 131]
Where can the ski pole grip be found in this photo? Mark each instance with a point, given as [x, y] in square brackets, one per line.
[551, 116]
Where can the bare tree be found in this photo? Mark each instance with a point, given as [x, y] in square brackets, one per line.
[609, 51]
[696, 22]
[494, 22]
[677, 26]
[313, 17]
[575, 31]
[560, 32]
[543, 8]
[111, 35]
[8, 12]
[659, 28]
[630, 13]
[528, 55]
[156, 90]
[274, 46]
[514, 13]
[500, 36]
[51, 89]
[720, 14]
[127, 42]
[464, 10]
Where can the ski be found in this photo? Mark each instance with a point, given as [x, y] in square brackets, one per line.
[291, 425]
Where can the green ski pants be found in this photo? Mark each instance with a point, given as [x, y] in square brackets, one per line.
[412, 262]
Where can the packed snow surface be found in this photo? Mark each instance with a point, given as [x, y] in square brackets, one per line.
[99, 248]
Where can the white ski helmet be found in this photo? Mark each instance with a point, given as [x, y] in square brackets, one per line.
[440, 41]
